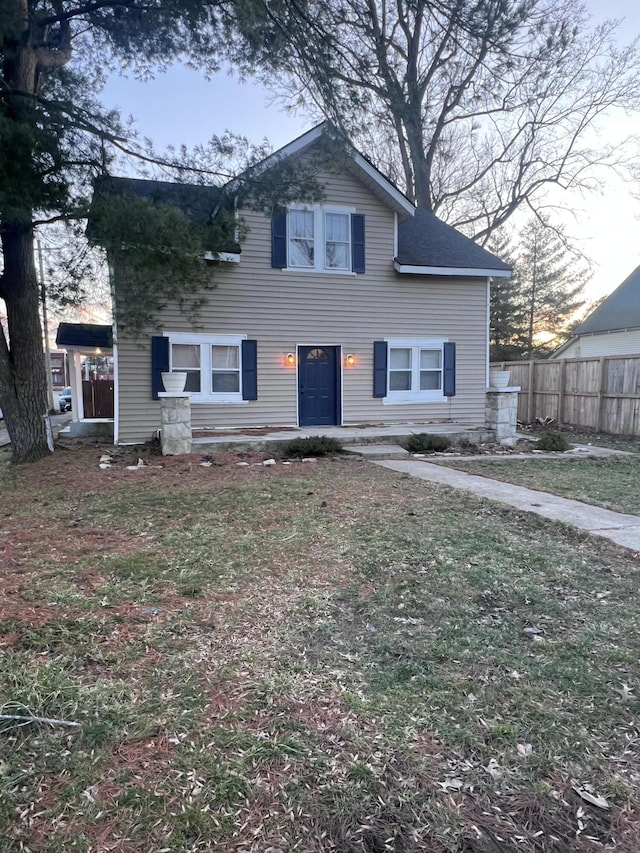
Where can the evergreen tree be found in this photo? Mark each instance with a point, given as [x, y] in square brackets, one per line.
[549, 281]
[507, 312]
[54, 55]
[55, 137]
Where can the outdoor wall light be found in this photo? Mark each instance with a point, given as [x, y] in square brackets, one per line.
[290, 359]
[350, 359]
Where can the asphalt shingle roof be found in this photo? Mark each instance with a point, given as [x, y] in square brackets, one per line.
[423, 239]
[196, 201]
[200, 204]
[426, 241]
[620, 310]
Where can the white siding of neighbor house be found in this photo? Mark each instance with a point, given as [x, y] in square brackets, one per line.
[605, 343]
[282, 310]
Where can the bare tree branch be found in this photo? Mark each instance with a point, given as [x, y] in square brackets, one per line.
[488, 103]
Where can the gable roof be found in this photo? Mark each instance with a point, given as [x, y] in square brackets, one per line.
[84, 336]
[371, 177]
[428, 245]
[620, 310]
[425, 246]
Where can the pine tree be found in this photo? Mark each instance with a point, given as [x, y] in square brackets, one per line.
[507, 312]
[550, 280]
[55, 137]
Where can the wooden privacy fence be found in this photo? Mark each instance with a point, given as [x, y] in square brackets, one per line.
[97, 398]
[601, 394]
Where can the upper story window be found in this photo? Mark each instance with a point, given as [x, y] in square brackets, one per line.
[337, 241]
[319, 238]
[302, 244]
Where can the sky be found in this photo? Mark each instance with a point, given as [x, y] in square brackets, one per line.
[181, 106]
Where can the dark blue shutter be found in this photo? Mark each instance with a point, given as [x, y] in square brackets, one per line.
[279, 240]
[449, 379]
[379, 368]
[249, 370]
[357, 242]
[159, 363]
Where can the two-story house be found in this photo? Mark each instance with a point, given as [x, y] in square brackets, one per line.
[360, 309]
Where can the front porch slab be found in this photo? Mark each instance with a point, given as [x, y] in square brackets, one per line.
[364, 434]
[98, 428]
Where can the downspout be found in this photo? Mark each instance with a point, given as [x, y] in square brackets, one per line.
[488, 339]
[116, 374]
[395, 235]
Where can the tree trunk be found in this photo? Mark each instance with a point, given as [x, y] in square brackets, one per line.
[421, 194]
[23, 386]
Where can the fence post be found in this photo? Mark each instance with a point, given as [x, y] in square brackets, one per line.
[563, 372]
[601, 397]
[530, 393]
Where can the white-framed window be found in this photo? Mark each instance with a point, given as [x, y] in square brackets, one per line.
[319, 238]
[337, 240]
[213, 364]
[415, 370]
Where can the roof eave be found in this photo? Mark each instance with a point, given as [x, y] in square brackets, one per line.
[396, 200]
[464, 272]
[580, 333]
[572, 340]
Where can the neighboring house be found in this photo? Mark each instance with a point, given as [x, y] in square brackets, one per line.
[613, 328]
[359, 309]
[59, 369]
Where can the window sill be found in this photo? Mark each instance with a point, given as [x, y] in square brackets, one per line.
[307, 271]
[200, 399]
[408, 399]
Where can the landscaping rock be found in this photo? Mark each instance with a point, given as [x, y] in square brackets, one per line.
[510, 441]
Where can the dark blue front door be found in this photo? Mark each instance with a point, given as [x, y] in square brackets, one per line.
[318, 386]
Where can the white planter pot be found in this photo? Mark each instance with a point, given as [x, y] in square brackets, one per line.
[499, 378]
[174, 382]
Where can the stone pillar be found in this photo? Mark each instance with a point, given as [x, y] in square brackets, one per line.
[501, 409]
[175, 418]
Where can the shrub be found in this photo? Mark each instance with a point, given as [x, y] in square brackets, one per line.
[423, 442]
[315, 445]
[552, 441]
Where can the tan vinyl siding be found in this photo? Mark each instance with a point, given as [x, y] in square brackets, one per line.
[284, 309]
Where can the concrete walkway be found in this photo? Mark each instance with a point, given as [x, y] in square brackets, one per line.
[618, 527]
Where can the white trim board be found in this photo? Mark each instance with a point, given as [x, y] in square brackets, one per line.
[466, 272]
